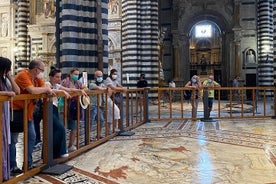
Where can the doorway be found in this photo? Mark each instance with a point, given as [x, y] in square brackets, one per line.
[250, 82]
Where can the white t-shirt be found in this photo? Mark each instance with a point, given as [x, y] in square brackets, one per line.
[56, 86]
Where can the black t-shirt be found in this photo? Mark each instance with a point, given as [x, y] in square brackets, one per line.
[142, 84]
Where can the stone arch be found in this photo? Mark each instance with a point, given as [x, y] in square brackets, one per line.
[224, 26]
[211, 16]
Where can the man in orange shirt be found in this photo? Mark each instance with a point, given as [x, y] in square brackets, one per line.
[30, 82]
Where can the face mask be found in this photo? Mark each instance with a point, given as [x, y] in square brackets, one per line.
[209, 80]
[193, 80]
[99, 79]
[114, 77]
[75, 77]
[40, 75]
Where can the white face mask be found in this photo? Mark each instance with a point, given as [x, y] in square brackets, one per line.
[40, 75]
[114, 77]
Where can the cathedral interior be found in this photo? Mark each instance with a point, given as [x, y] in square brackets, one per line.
[164, 39]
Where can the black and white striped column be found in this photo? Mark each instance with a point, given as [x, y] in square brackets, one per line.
[78, 35]
[22, 38]
[274, 40]
[140, 41]
[265, 44]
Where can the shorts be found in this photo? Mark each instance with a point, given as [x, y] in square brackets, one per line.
[72, 124]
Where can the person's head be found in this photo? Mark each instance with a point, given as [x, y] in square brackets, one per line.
[55, 75]
[36, 67]
[210, 78]
[142, 76]
[98, 76]
[5, 66]
[74, 74]
[194, 79]
[237, 77]
[113, 74]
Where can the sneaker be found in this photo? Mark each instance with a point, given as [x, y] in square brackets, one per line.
[64, 155]
[72, 148]
[15, 171]
[31, 167]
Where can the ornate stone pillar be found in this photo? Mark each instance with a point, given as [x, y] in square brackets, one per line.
[175, 72]
[237, 37]
[265, 44]
[237, 41]
[23, 51]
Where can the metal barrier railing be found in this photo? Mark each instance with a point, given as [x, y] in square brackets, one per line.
[249, 102]
[138, 108]
[132, 115]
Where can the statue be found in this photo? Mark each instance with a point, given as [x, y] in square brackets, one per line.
[4, 25]
[250, 57]
[203, 63]
[48, 8]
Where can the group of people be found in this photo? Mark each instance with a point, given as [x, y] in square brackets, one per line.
[30, 81]
[197, 85]
[110, 84]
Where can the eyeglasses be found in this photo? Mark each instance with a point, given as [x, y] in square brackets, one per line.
[40, 69]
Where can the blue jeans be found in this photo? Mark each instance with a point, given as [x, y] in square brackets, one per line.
[59, 135]
[14, 140]
[31, 144]
[94, 115]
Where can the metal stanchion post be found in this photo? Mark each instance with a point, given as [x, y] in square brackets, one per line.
[51, 167]
[274, 105]
[124, 132]
[146, 105]
[205, 106]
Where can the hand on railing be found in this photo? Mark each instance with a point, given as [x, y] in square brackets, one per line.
[9, 93]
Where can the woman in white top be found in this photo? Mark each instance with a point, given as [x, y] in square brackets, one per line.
[112, 83]
[196, 84]
[59, 136]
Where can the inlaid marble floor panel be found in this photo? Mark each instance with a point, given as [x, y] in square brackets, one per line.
[180, 152]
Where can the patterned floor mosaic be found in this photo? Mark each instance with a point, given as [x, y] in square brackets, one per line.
[225, 151]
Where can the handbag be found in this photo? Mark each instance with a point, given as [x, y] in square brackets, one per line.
[73, 108]
[17, 123]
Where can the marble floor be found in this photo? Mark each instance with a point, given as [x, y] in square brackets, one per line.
[240, 151]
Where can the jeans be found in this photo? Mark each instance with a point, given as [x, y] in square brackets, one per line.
[14, 140]
[31, 144]
[59, 135]
[94, 115]
[37, 120]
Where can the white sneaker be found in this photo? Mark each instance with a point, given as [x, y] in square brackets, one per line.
[64, 155]
[72, 148]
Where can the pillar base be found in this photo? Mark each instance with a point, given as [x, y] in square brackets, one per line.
[207, 119]
[125, 133]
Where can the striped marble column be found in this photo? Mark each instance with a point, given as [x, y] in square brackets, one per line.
[140, 41]
[265, 44]
[22, 20]
[78, 35]
[274, 40]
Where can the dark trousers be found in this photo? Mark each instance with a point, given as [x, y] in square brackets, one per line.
[59, 136]
[37, 120]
